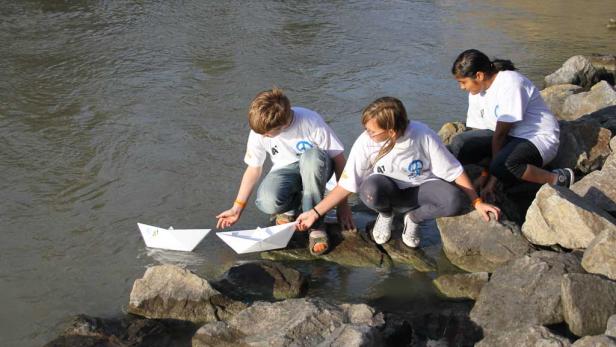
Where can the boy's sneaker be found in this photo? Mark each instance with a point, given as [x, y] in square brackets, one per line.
[284, 218]
[411, 236]
[565, 177]
[381, 232]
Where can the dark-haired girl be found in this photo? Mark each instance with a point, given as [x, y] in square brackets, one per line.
[401, 166]
[512, 125]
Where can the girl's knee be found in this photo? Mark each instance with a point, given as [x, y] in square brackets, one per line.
[372, 194]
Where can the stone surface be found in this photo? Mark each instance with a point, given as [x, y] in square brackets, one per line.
[296, 322]
[611, 326]
[168, 291]
[265, 280]
[535, 336]
[584, 145]
[577, 70]
[559, 216]
[402, 254]
[605, 118]
[555, 96]
[601, 95]
[599, 187]
[349, 248]
[587, 301]
[461, 286]
[524, 292]
[600, 256]
[474, 245]
[450, 130]
[596, 341]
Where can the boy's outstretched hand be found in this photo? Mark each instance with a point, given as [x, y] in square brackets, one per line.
[228, 217]
[485, 209]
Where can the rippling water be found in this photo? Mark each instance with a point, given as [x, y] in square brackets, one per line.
[118, 112]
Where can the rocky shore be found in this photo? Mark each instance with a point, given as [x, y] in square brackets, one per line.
[544, 275]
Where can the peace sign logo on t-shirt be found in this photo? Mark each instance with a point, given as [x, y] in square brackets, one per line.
[303, 146]
[415, 168]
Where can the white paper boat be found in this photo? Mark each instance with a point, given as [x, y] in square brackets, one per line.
[258, 240]
[173, 239]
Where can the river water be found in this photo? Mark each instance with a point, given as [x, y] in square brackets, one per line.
[113, 113]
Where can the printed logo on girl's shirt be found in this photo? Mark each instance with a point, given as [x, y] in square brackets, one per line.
[496, 111]
[415, 168]
[303, 145]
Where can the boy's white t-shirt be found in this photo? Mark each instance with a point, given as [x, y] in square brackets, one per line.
[513, 98]
[307, 130]
[417, 157]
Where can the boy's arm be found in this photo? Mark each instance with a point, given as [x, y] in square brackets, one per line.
[345, 216]
[232, 215]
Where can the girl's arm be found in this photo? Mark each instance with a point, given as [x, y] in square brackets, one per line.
[306, 219]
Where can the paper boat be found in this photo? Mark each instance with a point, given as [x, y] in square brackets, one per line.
[258, 240]
[173, 239]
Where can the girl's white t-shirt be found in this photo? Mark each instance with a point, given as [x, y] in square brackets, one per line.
[307, 130]
[417, 157]
[513, 98]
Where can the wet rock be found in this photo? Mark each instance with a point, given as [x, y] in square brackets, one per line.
[584, 146]
[600, 256]
[611, 326]
[536, 336]
[605, 118]
[461, 286]
[474, 245]
[416, 257]
[450, 130]
[168, 291]
[601, 95]
[296, 322]
[587, 301]
[349, 248]
[524, 292]
[265, 280]
[559, 216]
[577, 70]
[596, 341]
[598, 187]
[555, 96]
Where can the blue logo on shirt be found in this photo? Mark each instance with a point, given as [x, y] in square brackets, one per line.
[415, 168]
[496, 111]
[303, 146]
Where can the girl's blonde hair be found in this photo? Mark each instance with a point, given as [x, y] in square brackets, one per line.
[389, 114]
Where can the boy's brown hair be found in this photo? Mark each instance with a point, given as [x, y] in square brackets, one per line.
[269, 110]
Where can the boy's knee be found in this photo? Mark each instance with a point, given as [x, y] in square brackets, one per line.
[313, 157]
[269, 205]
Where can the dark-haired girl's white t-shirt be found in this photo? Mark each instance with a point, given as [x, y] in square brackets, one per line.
[418, 156]
[512, 98]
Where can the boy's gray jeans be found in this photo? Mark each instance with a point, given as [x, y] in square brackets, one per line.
[301, 184]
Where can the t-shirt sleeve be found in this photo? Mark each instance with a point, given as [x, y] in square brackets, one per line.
[355, 168]
[444, 164]
[511, 103]
[325, 138]
[255, 152]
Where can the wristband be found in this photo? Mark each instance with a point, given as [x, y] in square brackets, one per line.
[476, 201]
[240, 203]
[317, 212]
[485, 173]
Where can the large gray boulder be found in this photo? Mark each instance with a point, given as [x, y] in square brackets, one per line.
[587, 301]
[599, 186]
[296, 322]
[595, 341]
[601, 95]
[535, 336]
[605, 118]
[600, 256]
[524, 292]
[168, 291]
[555, 96]
[461, 286]
[584, 145]
[474, 245]
[577, 70]
[559, 216]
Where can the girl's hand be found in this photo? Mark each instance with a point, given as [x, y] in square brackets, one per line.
[306, 220]
[485, 209]
[228, 217]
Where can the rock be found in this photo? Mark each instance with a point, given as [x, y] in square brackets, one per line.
[605, 118]
[584, 145]
[168, 291]
[536, 336]
[587, 301]
[265, 280]
[349, 248]
[524, 292]
[611, 326]
[577, 70]
[474, 245]
[601, 95]
[595, 341]
[450, 130]
[559, 216]
[598, 187]
[416, 257]
[606, 62]
[461, 286]
[296, 322]
[555, 96]
[600, 256]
